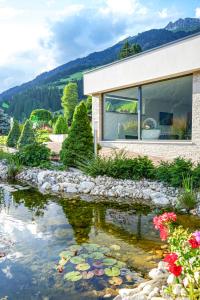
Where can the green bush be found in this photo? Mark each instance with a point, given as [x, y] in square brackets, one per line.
[60, 126]
[196, 176]
[3, 140]
[173, 173]
[41, 116]
[33, 155]
[79, 143]
[42, 136]
[14, 168]
[5, 156]
[120, 167]
[13, 135]
[27, 136]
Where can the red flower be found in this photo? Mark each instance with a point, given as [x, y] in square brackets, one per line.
[193, 243]
[176, 270]
[171, 258]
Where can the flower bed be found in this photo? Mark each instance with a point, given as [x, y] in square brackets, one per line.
[183, 261]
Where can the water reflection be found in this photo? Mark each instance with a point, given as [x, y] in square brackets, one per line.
[34, 229]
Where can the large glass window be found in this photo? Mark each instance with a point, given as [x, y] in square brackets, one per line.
[167, 107]
[165, 114]
[121, 114]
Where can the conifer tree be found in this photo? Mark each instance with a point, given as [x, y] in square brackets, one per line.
[128, 49]
[79, 143]
[13, 135]
[27, 136]
[60, 126]
[69, 100]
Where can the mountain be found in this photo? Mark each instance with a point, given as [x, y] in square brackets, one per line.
[45, 90]
[187, 25]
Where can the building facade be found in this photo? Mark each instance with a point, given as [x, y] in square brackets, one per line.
[150, 103]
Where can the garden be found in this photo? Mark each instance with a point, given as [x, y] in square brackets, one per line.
[80, 181]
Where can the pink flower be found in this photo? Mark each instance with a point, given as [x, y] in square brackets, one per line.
[196, 234]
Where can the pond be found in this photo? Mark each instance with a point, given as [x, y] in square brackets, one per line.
[89, 236]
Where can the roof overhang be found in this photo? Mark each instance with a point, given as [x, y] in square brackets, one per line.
[174, 59]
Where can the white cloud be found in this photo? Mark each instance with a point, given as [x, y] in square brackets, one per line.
[9, 12]
[197, 12]
[125, 7]
[164, 13]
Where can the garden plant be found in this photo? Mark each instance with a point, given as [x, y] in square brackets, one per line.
[183, 260]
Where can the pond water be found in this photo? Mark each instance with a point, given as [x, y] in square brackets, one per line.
[35, 229]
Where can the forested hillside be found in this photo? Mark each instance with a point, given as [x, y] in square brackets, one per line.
[45, 90]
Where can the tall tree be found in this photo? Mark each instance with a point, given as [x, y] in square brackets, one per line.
[13, 135]
[79, 143]
[69, 100]
[27, 136]
[129, 49]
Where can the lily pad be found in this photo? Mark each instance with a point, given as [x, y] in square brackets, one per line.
[96, 255]
[115, 247]
[91, 247]
[104, 249]
[77, 260]
[87, 275]
[84, 255]
[66, 254]
[63, 261]
[115, 281]
[112, 272]
[109, 261]
[75, 248]
[73, 276]
[83, 267]
[97, 264]
[98, 272]
[120, 264]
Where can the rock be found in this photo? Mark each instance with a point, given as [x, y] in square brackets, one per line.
[86, 186]
[42, 176]
[45, 187]
[71, 188]
[156, 274]
[55, 188]
[147, 289]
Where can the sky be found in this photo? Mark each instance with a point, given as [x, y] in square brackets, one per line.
[37, 36]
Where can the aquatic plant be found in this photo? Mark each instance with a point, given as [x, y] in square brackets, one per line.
[92, 261]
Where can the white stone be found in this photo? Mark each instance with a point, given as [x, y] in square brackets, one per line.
[71, 188]
[45, 187]
[147, 289]
[156, 274]
[42, 176]
[86, 186]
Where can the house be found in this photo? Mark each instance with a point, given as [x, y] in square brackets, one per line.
[149, 103]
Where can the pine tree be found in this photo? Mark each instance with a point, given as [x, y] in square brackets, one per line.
[79, 143]
[13, 135]
[4, 122]
[27, 136]
[60, 126]
[128, 49]
[69, 100]
[89, 105]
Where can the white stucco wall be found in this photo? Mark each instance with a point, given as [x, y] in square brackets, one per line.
[182, 57]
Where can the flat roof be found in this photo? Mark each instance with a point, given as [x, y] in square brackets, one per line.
[144, 52]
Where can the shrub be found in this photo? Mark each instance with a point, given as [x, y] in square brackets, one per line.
[33, 155]
[42, 136]
[79, 143]
[40, 116]
[120, 167]
[89, 105]
[174, 172]
[196, 176]
[14, 168]
[60, 126]
[13, 135]
[27, 135]
[3, 140]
